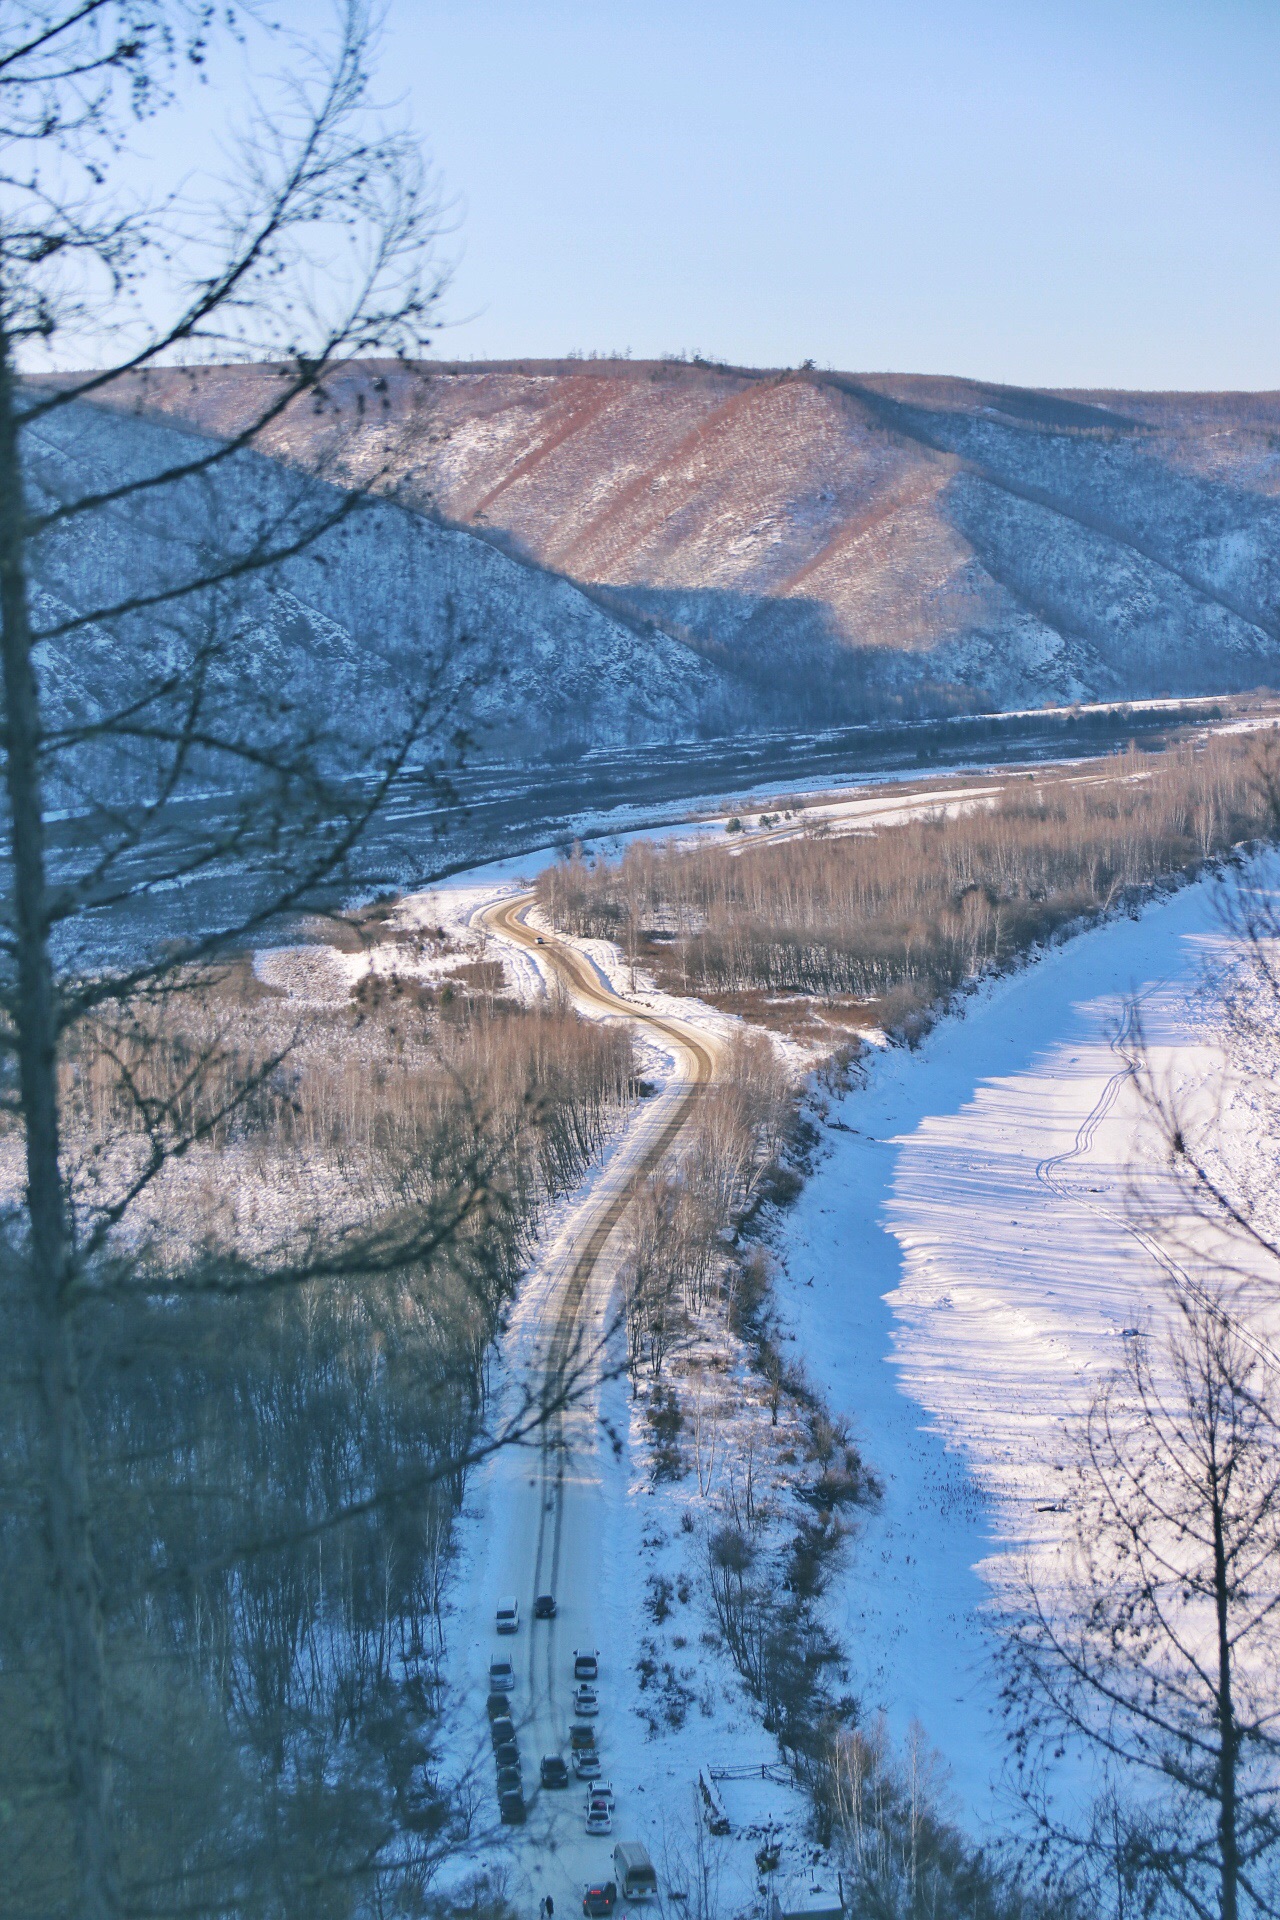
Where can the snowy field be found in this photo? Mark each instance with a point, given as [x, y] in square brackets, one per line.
[959, 1273]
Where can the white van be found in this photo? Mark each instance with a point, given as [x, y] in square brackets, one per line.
[634, 1870]
[509, 1614]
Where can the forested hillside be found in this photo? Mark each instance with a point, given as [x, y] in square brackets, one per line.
[838, 545]
[385, 608]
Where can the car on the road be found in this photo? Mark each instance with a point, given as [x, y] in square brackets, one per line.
[502, 1729]
[507, 1619]
[601, 1790]
[585, 1699]
[538, 937]
[509, 1781]
[511, 1809]
[586, 1763]
[502, 1675]
[599, 1818]
[554, 1771]
[544, 1607]
[586, 1663]
[581, 1736]
[599, 1900]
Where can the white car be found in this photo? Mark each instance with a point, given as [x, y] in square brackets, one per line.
[586, 1763]
[502, 1676]
[508, 1614]
[601, 1790]
[599, 1818]
[586, 1700]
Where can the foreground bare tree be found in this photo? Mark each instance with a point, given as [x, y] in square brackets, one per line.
[169, 738]
[1150, 1648]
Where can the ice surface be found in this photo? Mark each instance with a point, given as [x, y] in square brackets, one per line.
[959, 1272]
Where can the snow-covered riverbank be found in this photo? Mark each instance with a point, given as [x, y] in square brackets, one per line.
[958, 1270]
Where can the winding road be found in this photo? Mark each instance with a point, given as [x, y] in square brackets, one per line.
[546, 1518]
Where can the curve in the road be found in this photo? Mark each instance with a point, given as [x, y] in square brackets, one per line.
[564, 1348]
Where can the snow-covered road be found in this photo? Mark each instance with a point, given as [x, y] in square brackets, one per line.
[554, 1515]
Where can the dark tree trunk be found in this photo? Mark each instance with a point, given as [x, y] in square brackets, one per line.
[76, 1613]
[1228, 1842]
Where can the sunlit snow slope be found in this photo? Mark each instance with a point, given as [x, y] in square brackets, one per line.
[842, 545]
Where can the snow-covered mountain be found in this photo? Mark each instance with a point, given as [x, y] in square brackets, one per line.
[808, 546]
[841, 545]
[343, 636]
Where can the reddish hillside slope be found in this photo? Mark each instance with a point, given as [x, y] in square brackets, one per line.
[842, 544]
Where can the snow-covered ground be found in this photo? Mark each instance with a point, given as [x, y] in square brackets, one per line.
[606, 1538]
[959, 1272]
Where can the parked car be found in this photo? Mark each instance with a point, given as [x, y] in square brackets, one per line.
[600, 1900]
[586, 1663]
[502, 1729]
[507, 1755]
[502, 1675]
[586, 1763]
[601, 1790]
[511, 1809]
[599, 1818]
[509, 1781]
[581, 1736]
[586, 1700]
[498, 1706]
[544, 1607]
[554, 1771]
[508, 1620]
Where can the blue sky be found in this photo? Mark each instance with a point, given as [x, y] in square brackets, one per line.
[1038, 192]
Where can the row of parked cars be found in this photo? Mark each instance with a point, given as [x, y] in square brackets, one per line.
[633, 1870]
[553, 1772]
[506, 1758]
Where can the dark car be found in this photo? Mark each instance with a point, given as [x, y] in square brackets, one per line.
[544, 1607]
[554, 1771]
[586, 1664]
[581, 1737]
[509, 1781]
[500, 1730]
[511, 1808]
[600, 1899]
[507, 1755]
[498, 1706]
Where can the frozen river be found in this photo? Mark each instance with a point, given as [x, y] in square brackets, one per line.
[959, 1271]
